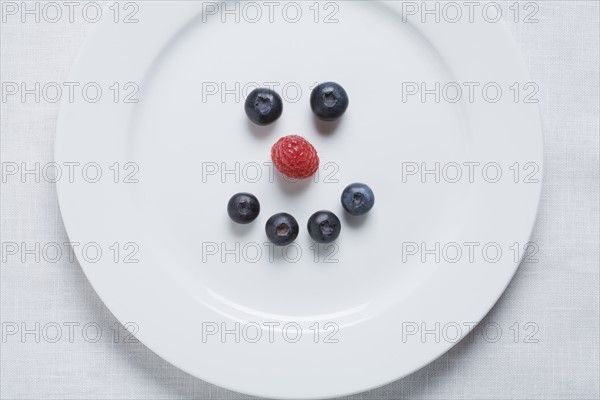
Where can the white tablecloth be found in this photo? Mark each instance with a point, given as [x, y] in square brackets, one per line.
[552, 304]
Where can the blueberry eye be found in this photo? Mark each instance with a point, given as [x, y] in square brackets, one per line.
[263, 106]
[329, 101]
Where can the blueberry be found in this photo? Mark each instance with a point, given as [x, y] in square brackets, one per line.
[243, 208]
[282, 229]
[324, 226]
[358, 198]
[263, 106]
[329, 101]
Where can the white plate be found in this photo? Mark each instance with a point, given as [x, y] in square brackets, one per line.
[366, 305]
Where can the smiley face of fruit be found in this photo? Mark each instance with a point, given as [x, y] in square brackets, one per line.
[296, 158]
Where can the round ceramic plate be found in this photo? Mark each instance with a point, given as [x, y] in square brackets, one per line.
[441, 124]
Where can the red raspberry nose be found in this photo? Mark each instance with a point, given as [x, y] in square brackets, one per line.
[295, 157]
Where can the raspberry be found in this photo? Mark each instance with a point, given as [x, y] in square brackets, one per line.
[295, 157]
